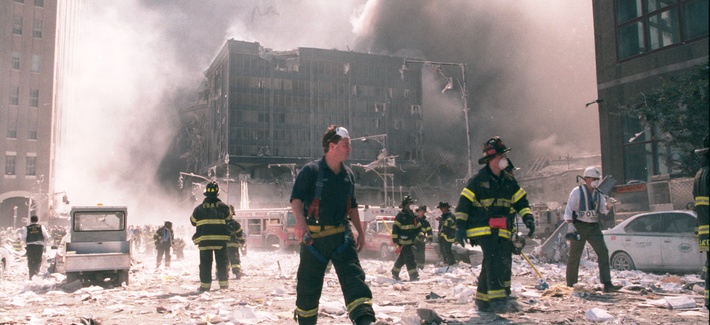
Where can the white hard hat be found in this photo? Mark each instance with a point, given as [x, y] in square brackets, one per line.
[592, 172]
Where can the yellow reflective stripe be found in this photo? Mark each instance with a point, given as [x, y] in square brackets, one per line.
[211, 237]
[503, 233]
[307, 313]
[412, 271]
[496, 294]
[222, 284]
[480, 231]
[395, 236]
[193, 219]
[704, 230]
[205, 285]
[358, 302]
[525, 211]
[461, 216]
[409, 227]
[326, 232]
[701, 200]
[518, 195]
[211, 222]
[232, 244]
[468, 194]
[396, 269]
[214, 248]
[506, 284]
[481, 296]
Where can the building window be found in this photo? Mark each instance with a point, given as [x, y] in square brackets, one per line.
[16, 60]
[12, 133]
[20, 1]
[32, 134]
[644, 153]
[36, 62]
[34, 97]
[17, 25]
[39, 3]
[37, 28]
[15, 96]
[9, 165]
[416, 109]
[645, 26]
[31, 166]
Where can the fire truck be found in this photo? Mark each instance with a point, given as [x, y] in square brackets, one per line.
[271, 228]
[546, 219]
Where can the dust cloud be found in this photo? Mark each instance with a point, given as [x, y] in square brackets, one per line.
[530, 71]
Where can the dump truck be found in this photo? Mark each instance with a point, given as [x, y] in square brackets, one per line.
[96, 250]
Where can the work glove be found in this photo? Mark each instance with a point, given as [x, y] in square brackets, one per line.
[530, 223]
[461, 237]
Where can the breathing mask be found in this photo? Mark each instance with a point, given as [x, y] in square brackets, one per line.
[503, 163]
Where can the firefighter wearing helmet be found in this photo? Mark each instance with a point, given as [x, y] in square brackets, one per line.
[211, 235]
[701, 192]
[584, 206]
[483, 213]
[427, 236]
[447, 232]
[406, 231]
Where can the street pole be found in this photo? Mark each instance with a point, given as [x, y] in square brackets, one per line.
[382, 140]
[469, 171]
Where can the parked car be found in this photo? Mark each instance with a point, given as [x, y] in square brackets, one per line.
[662, 241]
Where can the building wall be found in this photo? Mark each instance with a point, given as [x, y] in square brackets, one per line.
[624, 73]
[268, 106]
[27, 49]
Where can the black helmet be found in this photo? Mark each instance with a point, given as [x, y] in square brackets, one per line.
[493, 147]
[168, 224]
[421, 208]
[443, 204]
[406, 201]
[211, 189]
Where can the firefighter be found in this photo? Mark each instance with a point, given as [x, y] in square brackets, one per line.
[211, 235]
[584, 206]
[35, 236]
[701, 192]
[236, 241]
[163, 239]
[507, 250]
[447, 233]
[322, 199]
[427, 236]
[483, 214]
[406, 231]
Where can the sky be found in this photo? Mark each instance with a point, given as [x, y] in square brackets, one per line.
[530, 71]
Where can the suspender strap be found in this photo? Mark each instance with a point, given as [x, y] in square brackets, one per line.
[314, 208]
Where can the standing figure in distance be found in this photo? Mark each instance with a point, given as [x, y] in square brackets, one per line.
[427, 236]
[405, 233]
[35, 236]
[584, 206]
[164, 238]
[447, 233]
[211, 235]
[236, 241]
[322, 199]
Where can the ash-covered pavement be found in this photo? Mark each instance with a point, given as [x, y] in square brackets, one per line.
[266, 295]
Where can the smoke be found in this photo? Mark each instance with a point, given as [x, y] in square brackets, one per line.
[530, 71]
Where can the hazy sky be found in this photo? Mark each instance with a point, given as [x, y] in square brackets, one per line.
[530, 71]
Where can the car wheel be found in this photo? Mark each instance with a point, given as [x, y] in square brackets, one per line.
[622, 261]
[385, 252]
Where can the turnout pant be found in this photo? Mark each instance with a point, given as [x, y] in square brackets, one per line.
[419, 253]
[446, 253]
[220, 258]
[406, 257]
[235, 263]
[592, 233]
[506, 252]
[34, 258]
[163, 250]
[707, 281]
[490, 280]
[311, 270]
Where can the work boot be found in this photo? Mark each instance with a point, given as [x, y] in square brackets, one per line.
[483, 306]
[499, 306]
[610, 287]
[395, 276]
[364, 320]
[413, 278]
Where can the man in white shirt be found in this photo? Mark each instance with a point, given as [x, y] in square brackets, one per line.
[584, 206]
[34, 236]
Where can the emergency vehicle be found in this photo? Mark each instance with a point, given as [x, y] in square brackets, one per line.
[270, 228]
[546, 219]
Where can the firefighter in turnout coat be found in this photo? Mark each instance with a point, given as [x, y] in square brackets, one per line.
[236, 241]
[701, 191]
[447, 233]
[406, 231]
[428, 235]
[211, 235]
[482, 214]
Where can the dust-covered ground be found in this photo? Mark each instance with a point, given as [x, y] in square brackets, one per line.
[266, 295]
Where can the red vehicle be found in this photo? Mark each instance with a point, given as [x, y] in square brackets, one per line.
[379, 237]
[268, 228]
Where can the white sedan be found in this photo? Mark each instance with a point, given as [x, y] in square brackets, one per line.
[662, 241]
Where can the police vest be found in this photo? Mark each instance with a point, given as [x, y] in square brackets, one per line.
[587, 210]
[34, 233]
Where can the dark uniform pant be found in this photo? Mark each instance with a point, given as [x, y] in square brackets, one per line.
[406, 257]
[163, 250]
[220, 258]
[506, 253]
[588, 232]
[34, 258]
[707, 281]
[446, 253]
[235, 262]
[419, 254]
[311, 271]
[490, 280]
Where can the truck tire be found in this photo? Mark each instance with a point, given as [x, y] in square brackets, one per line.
[272, 242]
[122, 277]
